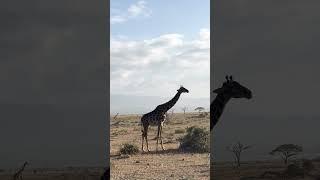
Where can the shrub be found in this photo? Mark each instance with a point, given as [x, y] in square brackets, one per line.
[196, 140]
[129, 149]
[308, 165]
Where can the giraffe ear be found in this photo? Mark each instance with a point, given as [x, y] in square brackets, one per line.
[218, 91]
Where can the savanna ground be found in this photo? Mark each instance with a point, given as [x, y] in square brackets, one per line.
[168, 164]
[255, 170]
[68, 173]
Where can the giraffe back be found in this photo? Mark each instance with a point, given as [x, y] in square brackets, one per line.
[153, 118]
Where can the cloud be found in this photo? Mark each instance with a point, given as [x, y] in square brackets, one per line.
[158, 66]
[135, 10]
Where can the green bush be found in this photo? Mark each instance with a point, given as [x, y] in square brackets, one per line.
[196, 140]
[129, 149]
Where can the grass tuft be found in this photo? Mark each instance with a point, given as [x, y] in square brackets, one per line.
[129, 149]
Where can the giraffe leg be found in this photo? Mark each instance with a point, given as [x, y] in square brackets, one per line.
[161, 138]
[142, 142]
[147, 143]
[158, 134]
[145, 133]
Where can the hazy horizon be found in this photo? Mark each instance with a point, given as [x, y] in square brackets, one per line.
[144, 104]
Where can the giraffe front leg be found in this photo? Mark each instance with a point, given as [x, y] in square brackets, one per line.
[147, 144]
[158, 137]
[161, 138]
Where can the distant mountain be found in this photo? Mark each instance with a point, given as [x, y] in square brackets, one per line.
[127, 104]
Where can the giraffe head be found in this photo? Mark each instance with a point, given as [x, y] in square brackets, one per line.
[234, 89]
[183, 90]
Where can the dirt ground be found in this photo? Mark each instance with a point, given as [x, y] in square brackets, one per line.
[168, 164]
[70, 173]
[255, 169]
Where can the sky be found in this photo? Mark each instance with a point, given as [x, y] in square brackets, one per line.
[156, 46]
[271, 47]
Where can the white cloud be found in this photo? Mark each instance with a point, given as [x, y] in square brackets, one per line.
[139, 9]
[135, 10]
[158, 66]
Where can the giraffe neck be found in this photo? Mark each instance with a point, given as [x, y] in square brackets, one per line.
[217, 107]
[21, 169]
[166, 106]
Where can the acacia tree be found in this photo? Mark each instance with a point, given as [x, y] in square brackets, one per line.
[286, 151]
[199, 109]
[236, 150]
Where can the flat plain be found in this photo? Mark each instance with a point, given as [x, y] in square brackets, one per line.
[168, 164]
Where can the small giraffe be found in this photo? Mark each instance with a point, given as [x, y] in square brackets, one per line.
[157, 118]
[18, 174]
[230, 89]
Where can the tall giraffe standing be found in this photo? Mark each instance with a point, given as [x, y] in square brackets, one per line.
[18, 174]
[158, 116]
[230, 89]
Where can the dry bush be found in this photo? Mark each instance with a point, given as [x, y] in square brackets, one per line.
[129, 149]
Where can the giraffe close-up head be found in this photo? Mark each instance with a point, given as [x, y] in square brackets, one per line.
[234, 89]
[183, 90]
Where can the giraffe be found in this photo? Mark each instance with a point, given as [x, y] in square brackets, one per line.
[230, 89]
[157, 118]
[18, 174]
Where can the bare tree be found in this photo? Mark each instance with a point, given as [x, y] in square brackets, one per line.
[184, 110]
[286, 151]
[172, 111]
[236, 150]
[168, 118]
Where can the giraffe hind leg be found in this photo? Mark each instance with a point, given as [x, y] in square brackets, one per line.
[142, 138]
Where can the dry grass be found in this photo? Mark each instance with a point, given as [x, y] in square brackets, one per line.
[168, 164]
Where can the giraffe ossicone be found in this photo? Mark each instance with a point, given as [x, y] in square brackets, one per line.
[157, 118]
